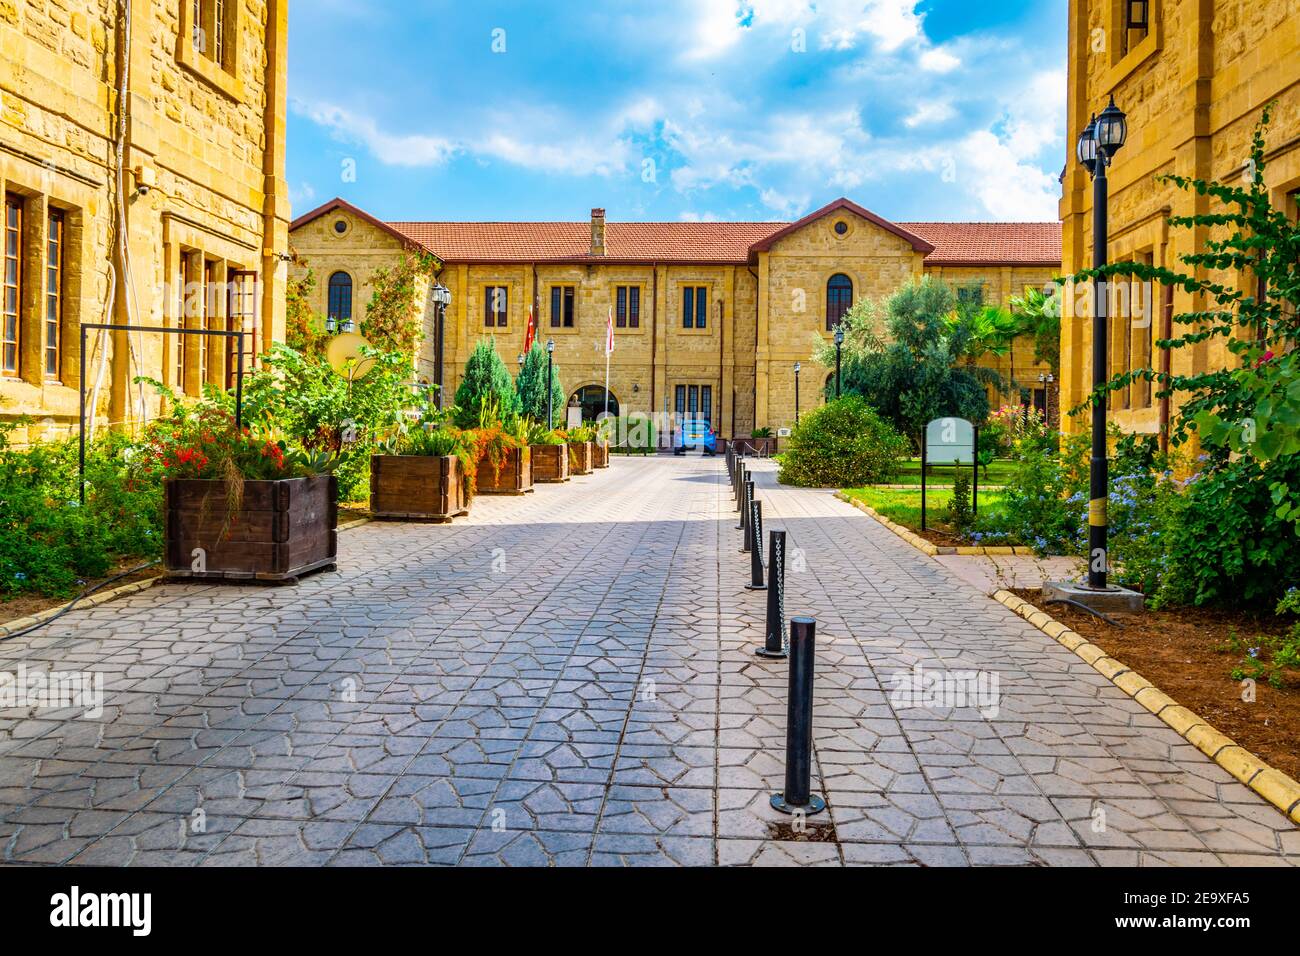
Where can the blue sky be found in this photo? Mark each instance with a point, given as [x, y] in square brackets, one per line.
[678, 109]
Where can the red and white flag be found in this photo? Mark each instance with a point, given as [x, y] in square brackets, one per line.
[609, 333]
[530, 332]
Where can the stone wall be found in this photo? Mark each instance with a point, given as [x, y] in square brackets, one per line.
[205, 138]
[1193, 89]
[762, 318]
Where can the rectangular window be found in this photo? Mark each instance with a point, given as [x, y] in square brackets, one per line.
[694, 402]
[219, 31]
[627, 307]
[180, 341]
[53, 294]
[1137, 22]
[695, 306]
[562, 299]
[205, 323]
[239, 318]
[214, 30]
[13, 272]
[496, 301]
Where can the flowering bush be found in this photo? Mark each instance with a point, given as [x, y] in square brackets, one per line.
[203, 442]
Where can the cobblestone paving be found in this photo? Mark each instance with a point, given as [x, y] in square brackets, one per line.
[568, 678]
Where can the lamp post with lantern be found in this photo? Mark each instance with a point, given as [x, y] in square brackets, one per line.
[1096, 148]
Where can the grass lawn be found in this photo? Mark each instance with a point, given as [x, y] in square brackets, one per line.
[903, 506]
[999, 472]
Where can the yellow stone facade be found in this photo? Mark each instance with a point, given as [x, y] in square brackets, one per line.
[765, 312]
[1193, 85]
[192, 96]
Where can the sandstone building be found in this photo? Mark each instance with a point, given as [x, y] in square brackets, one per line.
[142, 171]
[1193, 77]
[710, 317]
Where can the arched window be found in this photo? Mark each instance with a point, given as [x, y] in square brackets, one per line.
[839, 296]
[340, 297]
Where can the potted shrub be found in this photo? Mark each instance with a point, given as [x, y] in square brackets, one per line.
[240, 504]
[582, 440]
[505, 460]
[550, 454]
[429, 474]
[762, 442]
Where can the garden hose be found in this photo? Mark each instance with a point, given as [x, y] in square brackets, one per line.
[78, 599]
[1083, 607]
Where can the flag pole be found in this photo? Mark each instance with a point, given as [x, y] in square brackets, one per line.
[609, 349]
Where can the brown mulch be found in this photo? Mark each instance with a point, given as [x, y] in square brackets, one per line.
[24, 605]
[942, 538]
[1185, 652]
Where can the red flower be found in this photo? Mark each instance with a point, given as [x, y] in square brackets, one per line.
[1266, 357]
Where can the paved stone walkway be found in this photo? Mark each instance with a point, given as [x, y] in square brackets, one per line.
[568, 678]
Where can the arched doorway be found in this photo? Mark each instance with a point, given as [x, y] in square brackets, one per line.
[592, 400]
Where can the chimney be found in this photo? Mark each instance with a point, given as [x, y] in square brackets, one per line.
[598, 232]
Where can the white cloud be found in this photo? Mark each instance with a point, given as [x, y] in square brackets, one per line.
[523, 139]
[931, 111]
[938, 60]
[390, 149]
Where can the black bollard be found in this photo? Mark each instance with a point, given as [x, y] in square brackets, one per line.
[798, 796]
[756, 547]
[746, 519]
[774, 626]
[740, 488]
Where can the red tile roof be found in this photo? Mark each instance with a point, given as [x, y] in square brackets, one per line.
[990, 243]
[917, 243]
[724, 243]
[706, 242]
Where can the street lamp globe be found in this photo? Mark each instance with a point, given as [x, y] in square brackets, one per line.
[550, 345]
[1112, 130]
[520, 360]
[797, 367]
[1087, 145]
[839, 335]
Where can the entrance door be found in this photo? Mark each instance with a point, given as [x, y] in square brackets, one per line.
[592, 400]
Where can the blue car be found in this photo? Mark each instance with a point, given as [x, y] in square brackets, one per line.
[696, 433]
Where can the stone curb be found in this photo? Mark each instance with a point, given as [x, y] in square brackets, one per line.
[103, 597]
[1271, 784]
[929, 547]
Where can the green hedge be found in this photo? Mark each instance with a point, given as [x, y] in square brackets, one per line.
[843, 444]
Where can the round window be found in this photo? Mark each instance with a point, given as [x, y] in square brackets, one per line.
[341, 226]
[841, 228]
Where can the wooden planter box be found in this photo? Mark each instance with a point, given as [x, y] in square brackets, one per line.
[550, 463]
[280, 531]
[600, 455]
[417, 487]
[514, 474]
[580, 458]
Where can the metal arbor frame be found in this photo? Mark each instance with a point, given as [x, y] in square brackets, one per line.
[81, 384]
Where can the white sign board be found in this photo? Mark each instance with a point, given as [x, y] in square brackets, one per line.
[950, 441]
[575, 416]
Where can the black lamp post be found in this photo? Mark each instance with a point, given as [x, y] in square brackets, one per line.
[550, 382]
[839, 345]
[1097, 146]
[441, 299]
[797, 366]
